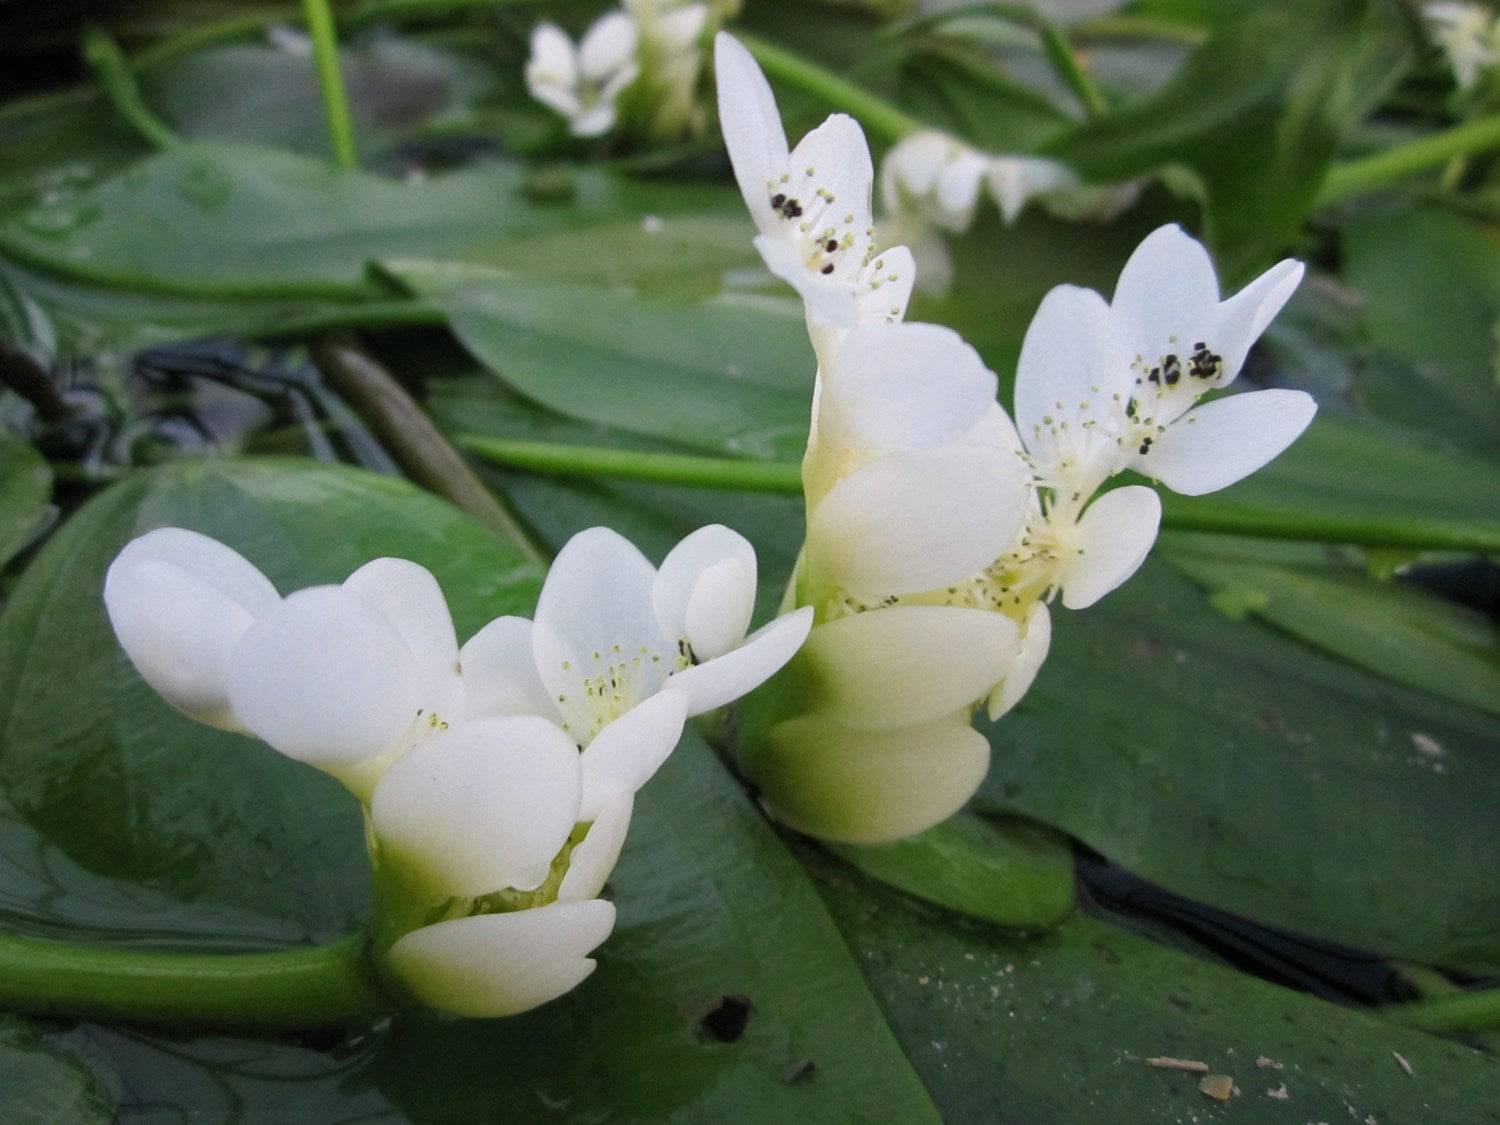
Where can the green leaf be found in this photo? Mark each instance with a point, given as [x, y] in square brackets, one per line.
[733, 375]
[254, 222]
[1058, 1030]
[1245, 770]
[1008, 872]
[193, 831]
[1393, 630]
[25, 494]
[44, 1079]
[1255, 115]
[1429, 281]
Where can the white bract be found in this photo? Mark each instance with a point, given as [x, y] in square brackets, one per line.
[811, 204]
[1469, 35]
[584, 82]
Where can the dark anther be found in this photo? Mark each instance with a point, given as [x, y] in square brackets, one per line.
[1145, 446]
[1154, 376]
[778, 199]
[1204, 364]
[725, 1019]
[1171, 368]
[827, 269]
[831, 245]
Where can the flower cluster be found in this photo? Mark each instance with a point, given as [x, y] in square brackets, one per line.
[647, 58]
[938, 531]
[931, 182]
[1469, 35]
[498, 778]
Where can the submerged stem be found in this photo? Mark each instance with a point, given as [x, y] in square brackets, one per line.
[1183, 513]
[103, 56]
[1462, 1011]
[319, 986]
[331, 81]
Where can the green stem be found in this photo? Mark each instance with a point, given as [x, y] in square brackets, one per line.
[1354, 177]
[109, 66]
[320, 986]
[1464, 1011]
[1141, 27]
[331, 81]
[1187, 514]
[873, 111]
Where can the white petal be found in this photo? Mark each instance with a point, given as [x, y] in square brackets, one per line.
[179, 603]
[829, 302]
[596, 596]
[1071, 355]
[595, 121]
[752, 128]
[408, 596]
[720, 609]
[917, 520]
[324, 678]
[1226, 440]
[679, 30]
[481, 807]
[765, 652]
[1168, 288]
[627, 752]
[1240, 320]
[912, 168]
[499, 672]
[888, 300]
[553, 59]
[1111, 540]
[869, 787]
[958, 190]
[595, 856]
[1031, 652]
[836, 157]
[904, 386]
[502, 964]
[904, 665]
[607, 46]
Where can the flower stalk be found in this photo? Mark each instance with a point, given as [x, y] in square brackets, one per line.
[331, 81]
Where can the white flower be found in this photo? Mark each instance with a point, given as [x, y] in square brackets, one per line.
[1032, 644]
[583, 83]
[476, 824]
[342, 677]
[934, 175]
[902, 499]
[620, 652]
[811, 204]
[1470, 36]
[1015, 180]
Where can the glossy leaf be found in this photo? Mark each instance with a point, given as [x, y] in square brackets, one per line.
[46, 1079]
[25, 494]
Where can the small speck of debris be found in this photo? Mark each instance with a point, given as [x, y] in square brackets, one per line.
[725, 1019]
[1166, 1062]
[1265, 1063]
[1281, 1093]
[1426, 744]
[1217, 1086]
[1401, 1061]
[653, 224]
[797, 1071]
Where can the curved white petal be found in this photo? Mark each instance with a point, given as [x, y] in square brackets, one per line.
[608, 45]
[957, 190]
[627, 752]
[904, 386]
[595, 856]
[481, 807]
[911, 169]
[408, 596]
[499, 672]
[906, 664]
[1226, 440]
[917, 520]
[1240, 320]
[837, 157]
[502, 964]
[595, 606]
[678, 30]
[705, 590]
[724, 679]
[869, 787]
[1111, 541]
[179, 603]
[553, 60]
[325, 679]
[752, 128]
[1167, 287]
[1071, 356]
[829, 302]
[887, 291]
[595, 121]
[1030, 653]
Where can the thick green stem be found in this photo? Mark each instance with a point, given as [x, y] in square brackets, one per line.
[108, 64]
[331, 81]
[1183, 513]
[320, 986]
[873, 111]
[1356, 177]
[1464, 1011]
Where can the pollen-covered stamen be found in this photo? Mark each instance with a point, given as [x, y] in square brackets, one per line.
[610, 683]
[831, 238]
[1167, 386]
